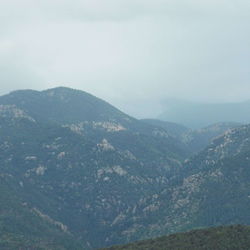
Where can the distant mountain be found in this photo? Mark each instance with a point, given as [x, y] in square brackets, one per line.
[230, 238]
[194, 140]
[198, 115]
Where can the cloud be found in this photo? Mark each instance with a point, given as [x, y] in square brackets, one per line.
[87, 10]
[130, 53]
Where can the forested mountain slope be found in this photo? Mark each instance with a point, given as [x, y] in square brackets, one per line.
[82, 165]
[87, 171]
[220, 238]
[194, 140]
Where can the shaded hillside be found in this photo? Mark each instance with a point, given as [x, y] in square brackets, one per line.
[221, 238]
[223, 171]
[211, 189]
[194, 140]
[23, 226]
[174, 129]
[198, 139]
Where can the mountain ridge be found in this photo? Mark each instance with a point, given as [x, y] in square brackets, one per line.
[197, 115]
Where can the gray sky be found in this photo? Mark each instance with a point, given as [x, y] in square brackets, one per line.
[132, 53]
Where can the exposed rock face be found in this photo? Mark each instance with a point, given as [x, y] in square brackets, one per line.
[11, 111]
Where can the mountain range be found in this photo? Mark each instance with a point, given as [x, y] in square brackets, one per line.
[197, 115]
[74, 167]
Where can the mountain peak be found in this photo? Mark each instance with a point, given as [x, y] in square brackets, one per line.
[63, 89]
[63, 105]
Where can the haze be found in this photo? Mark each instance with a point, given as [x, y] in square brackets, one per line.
[134, 54]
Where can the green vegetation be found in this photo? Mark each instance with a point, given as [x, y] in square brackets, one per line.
[22, 228]
[81, 162]
[193, 140]
[220, 238]
[81, 169]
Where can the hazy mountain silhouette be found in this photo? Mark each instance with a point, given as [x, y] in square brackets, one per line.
[197, 115]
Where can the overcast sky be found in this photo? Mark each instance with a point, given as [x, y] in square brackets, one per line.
[132, 53]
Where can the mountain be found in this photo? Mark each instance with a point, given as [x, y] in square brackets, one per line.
[25, 227]
[175, 130]
[85, 115]
[195, 140]
[93, 174]
[63, 105]
[223, 171]
[83, 163]
[198, 139]
[198, 115]
[211, 189]
[229, 238]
